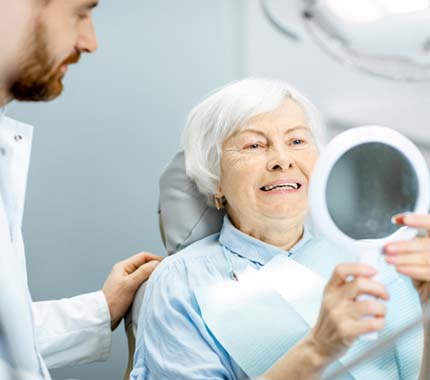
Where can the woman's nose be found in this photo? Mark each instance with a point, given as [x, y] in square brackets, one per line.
[280, 161]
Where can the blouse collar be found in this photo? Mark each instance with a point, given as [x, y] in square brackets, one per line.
[253, 249]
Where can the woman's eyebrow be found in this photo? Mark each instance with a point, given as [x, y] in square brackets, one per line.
[259, 132]
[289, 130]
[250, 130]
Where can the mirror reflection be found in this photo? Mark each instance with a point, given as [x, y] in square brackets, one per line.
[367, 186]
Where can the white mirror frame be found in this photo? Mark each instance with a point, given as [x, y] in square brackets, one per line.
[365, 251]
[342, 143]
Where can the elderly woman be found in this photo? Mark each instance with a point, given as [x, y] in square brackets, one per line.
[216, 309]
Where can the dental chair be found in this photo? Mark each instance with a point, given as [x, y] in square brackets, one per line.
[179, 199]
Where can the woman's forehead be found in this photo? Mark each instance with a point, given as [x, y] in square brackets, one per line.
[265, 129]
[288, 115]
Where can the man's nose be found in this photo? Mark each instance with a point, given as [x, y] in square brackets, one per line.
[87, 41]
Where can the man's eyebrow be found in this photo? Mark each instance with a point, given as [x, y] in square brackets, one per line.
[91, 5]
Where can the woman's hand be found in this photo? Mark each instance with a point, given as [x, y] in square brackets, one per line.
[342, 315]
[412, 257]
[340, 322]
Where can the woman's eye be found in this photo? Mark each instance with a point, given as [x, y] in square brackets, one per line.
[253, 146]
[298, 142]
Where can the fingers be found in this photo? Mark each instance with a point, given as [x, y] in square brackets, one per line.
[362, 326]
[365, 286]
[344, 316]
[143, 272]
[363, 317]
[408, 246]
[416, 272]
[413, 220]
[135, 261]
[414, 259]
[365, 326]
[343, 271]
[370, 307]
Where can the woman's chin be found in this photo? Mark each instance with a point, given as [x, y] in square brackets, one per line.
[282, 213]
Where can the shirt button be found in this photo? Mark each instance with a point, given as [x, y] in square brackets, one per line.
[18, 137]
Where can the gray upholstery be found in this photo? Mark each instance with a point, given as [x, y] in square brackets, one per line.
[184, 215]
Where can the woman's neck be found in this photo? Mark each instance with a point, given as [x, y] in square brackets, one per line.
[282, 234]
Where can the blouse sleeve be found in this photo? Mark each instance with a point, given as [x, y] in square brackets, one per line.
[173, 342]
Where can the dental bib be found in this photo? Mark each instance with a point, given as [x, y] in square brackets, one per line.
[260, 317]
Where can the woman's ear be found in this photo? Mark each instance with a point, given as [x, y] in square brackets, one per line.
[218, 203]
[219, 198]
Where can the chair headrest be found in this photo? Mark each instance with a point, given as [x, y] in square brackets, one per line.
[184, 214]
[184, 218]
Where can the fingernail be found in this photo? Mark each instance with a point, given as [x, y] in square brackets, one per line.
[398, 219]
[390, 259]
[389, 250]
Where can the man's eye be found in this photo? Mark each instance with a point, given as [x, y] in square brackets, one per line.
[298, 142]
[82, 16]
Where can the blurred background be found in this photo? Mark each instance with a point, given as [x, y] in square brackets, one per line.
[99, 149]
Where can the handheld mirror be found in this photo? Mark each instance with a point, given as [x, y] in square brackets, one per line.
[364, 177]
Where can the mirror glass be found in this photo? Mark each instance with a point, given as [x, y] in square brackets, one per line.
[367, 185]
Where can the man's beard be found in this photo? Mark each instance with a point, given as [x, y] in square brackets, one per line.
[39, 79]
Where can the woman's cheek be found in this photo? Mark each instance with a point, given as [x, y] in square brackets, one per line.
[308, 161]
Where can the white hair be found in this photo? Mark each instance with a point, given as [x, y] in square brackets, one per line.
[226, 110]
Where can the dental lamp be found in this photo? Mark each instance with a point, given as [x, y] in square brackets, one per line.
[387, 38]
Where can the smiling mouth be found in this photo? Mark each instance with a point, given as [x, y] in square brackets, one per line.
[284, 186]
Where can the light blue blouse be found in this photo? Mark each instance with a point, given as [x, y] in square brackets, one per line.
[173, 342]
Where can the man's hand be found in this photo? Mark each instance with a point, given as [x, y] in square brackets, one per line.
[122, 283]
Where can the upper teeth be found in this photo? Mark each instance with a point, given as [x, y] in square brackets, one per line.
[294, 186]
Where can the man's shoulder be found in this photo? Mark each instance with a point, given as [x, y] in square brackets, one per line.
[8, 121]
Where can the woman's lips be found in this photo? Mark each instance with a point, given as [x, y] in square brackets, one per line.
[282, 191]
[282, 186]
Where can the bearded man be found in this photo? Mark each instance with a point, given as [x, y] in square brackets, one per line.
[39, 39]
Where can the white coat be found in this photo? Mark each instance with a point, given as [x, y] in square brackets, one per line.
[40, 335]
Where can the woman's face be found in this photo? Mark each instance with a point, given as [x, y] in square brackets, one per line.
[266, 166]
